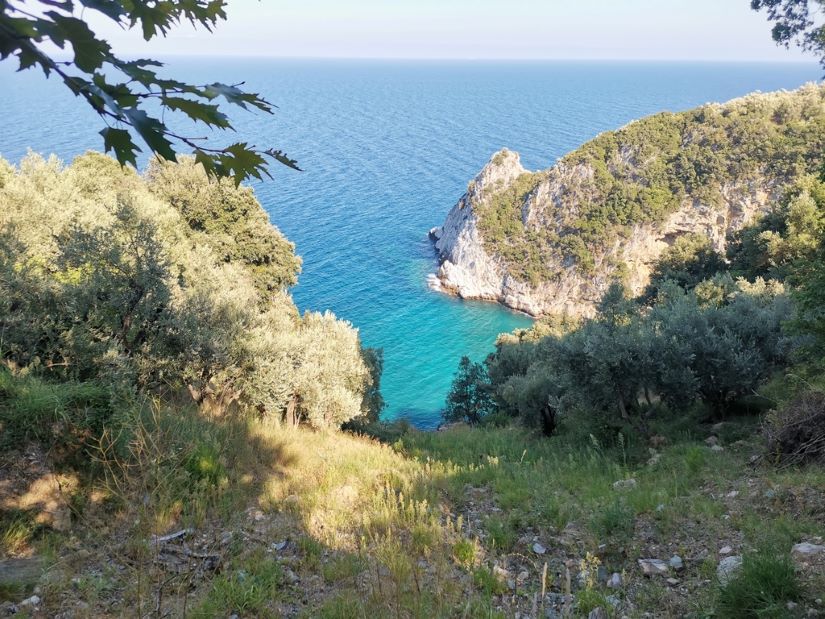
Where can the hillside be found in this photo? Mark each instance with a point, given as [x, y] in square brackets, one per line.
[464, 523]
[551, 242]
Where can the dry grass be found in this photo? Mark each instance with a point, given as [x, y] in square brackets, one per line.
[296, 523]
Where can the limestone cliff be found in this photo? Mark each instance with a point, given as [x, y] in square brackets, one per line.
[551, 242]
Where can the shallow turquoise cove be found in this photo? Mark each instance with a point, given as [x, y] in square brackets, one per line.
[387, 149]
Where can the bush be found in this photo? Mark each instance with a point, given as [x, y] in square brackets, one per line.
[712, 345]
[796, 434]
[469, 399]
[169, 284]
[762, 588]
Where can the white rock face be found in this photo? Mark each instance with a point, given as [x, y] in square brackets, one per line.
[468, 270]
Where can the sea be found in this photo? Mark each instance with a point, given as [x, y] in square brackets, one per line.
[387, 148]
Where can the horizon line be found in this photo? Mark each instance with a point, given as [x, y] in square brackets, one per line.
[809, 61]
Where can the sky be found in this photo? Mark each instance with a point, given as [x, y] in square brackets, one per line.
[477, 29]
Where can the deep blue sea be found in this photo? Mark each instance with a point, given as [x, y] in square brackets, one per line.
[387, 148]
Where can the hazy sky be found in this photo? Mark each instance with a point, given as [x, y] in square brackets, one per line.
[618, 29]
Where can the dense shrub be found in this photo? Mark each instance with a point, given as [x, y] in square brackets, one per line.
[171, 284]
[789, 233]
[690, 260]
[712, 345]
[469, 398]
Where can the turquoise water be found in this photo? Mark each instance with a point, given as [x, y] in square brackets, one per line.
[388, 148]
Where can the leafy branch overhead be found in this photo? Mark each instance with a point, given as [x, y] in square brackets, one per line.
[798, 22]
[128, 94]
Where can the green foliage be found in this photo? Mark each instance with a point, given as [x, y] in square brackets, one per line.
[246, 590]
[69, 415]
[373, 402]
[465, 552]
[712, 345]
[171, 284]
[785, 238]
[203, 463]
[121, 91]
[469, 398]
[763, 586]
[690, 260]
[229, 219]
[645, 171]
[795, 23]
[615, 520]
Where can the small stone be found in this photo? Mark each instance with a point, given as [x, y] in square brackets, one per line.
[791, 605]
[725, 550]
[673, 581]
[732, 494]
[818, 601]
[615, 581]
[717, 427]
[32, 601]
[291, 576]
[653, 567]
[279, 546]
[597, 613]
[711, 441]
[717, 448]
[501, 574]
[624, 484]
[257, 515]
[522, 577]
[660, 507]
[806, 549]
[676, 563]
[770, 493]
[539, 549]
[727, 568]
[613, 600]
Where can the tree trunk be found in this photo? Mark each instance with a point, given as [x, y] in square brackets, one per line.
[292, 411]
[548, 420]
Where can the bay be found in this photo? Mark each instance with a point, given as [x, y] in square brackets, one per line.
[387, 148]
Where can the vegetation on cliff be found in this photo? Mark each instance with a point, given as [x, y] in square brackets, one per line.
[708, 331]
[648, 169]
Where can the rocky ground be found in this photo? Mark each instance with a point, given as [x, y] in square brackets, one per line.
[344, 527]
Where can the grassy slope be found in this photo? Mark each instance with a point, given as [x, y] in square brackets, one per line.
[419, 529]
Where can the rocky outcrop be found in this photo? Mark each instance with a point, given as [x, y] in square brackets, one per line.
[468, 270]
[472, 267]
